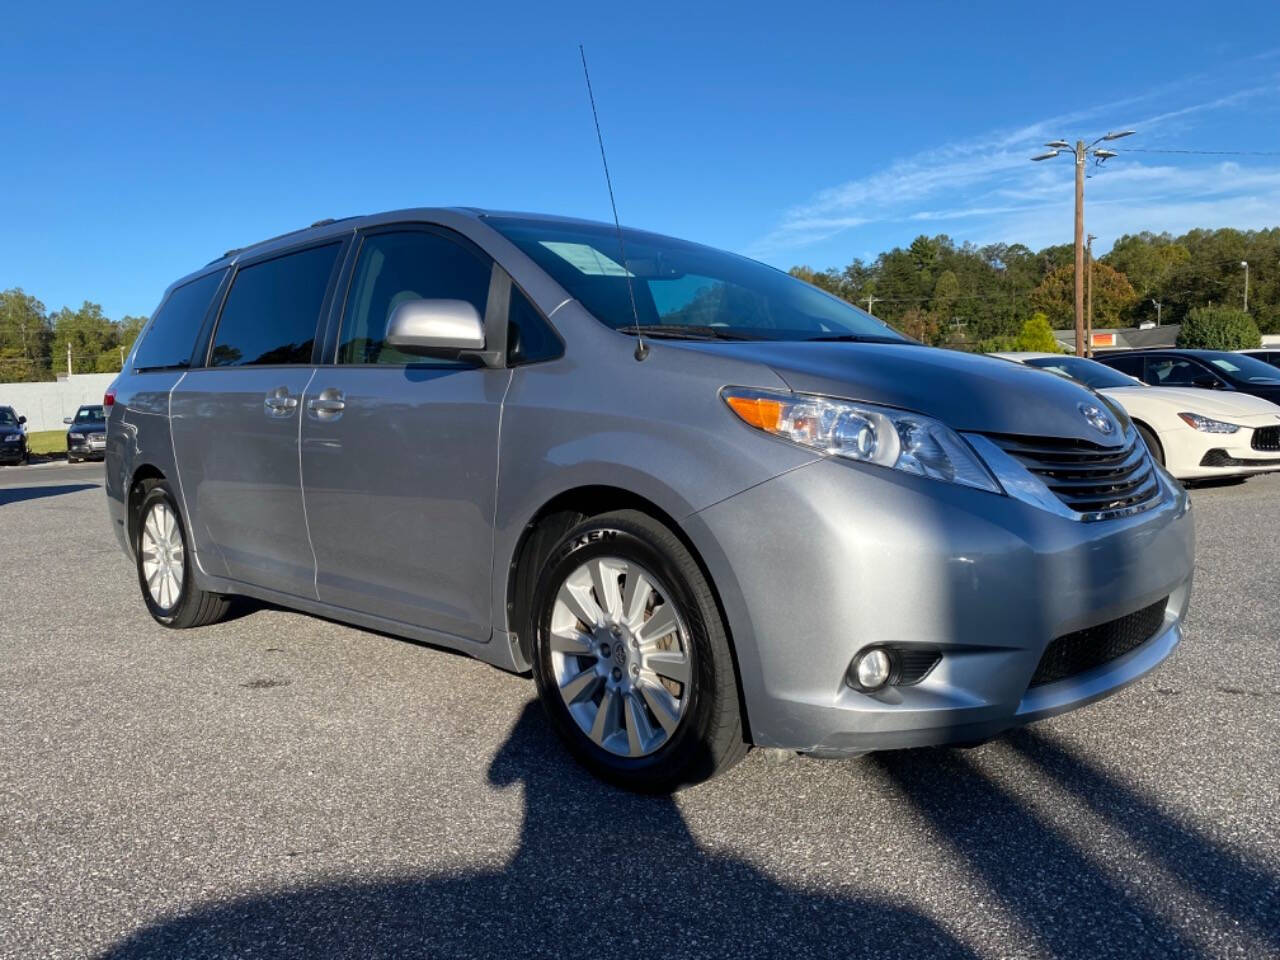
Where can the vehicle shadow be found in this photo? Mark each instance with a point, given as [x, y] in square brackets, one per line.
[1069, 901]
[598, 872]
[1243, 888]
[19, 494]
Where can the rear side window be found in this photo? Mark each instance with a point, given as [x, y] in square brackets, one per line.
[273, 308]
[171, 336]
[529, 337]
[1175, 372]
[1125, 364]
[399, 266]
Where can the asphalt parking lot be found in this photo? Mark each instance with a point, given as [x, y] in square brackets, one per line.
[282, 786]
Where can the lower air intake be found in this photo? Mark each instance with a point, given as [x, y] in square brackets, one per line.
[1083, 650]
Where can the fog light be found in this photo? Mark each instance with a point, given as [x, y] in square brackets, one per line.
[871, 670]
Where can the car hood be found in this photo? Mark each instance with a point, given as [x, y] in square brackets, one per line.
[1209, 403]
[87, 428]
[964, 390]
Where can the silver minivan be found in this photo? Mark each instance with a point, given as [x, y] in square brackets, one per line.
[705, 504]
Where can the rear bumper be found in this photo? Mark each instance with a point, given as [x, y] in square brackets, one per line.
[833, 557]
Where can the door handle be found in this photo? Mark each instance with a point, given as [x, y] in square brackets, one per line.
[328, 404]
[278, 403]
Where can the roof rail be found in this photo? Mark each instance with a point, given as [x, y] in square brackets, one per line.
[319, 223]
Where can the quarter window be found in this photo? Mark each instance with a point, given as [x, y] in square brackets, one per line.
[399, 266]
[273, 308]
[529, 337]
[171, 336]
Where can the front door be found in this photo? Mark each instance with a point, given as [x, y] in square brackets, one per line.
[400, 452]
[235, 424]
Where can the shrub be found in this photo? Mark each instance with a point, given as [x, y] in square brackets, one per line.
[1218, 328]
[1037, 336]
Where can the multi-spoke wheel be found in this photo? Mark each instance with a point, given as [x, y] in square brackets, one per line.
[164, 566]
[163, 555]
[631, 657]
[621, 655]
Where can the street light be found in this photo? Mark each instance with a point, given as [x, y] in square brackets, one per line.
[1080, 153]
[1245, 264]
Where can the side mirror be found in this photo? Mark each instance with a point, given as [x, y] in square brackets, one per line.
[64, 420]
[22, 420]
[435, 326]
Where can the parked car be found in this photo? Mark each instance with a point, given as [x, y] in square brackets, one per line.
[87, 433]
[1195, 433]
[706, 504]
[1204, 369]
[13, 437]
[1266, 356]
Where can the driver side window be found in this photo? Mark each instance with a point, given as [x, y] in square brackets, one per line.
[1171, 372]
[396, 267]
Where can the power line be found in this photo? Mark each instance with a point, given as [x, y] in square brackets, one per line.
[1206, 153]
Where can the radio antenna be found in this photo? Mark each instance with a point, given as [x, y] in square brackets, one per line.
[642, 348]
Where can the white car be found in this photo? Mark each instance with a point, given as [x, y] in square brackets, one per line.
[1195, 433]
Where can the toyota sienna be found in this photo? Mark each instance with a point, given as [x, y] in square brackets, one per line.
[705, 504]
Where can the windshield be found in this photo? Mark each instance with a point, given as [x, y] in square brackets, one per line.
[683, 287]
[1089, 372]
[1242, 369]
[90, 415]
[7, 417]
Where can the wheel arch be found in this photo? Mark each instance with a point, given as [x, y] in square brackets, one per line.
[1159, 451]
[138, 486]
[553, 520]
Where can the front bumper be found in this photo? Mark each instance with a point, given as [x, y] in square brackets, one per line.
[825, 560]
[86, 449]
[12, 452]
[1207, 455]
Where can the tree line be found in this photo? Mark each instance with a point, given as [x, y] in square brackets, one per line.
[981, 298]
[34, 341]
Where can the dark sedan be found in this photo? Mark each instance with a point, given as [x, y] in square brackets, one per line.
[13, 438]
[87, 433]
[1207, 369]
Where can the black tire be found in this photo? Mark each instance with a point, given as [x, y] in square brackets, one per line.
[1149, 438]
[709, 737]
[193, 607]
[71, 459]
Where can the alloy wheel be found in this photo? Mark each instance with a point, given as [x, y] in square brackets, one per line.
[163, 556]
[621, 656]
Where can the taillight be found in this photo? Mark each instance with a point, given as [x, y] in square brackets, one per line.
[109, 398]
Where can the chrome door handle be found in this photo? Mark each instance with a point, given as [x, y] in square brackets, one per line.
[279, 403]
[330, 403]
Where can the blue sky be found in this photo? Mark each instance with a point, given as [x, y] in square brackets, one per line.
[143, 140]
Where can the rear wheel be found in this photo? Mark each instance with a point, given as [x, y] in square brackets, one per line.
[164, 564]
[631, 657]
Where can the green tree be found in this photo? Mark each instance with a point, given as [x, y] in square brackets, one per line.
[1218, 328]
[87, 332]
[24, 337]
[1113, 296]
[1037, 336]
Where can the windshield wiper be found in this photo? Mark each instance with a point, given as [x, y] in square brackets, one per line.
[857, 338]
[684, 331]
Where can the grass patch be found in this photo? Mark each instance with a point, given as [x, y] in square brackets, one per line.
[47, 441]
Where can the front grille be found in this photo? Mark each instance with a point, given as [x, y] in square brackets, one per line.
[1095, 481]
[1266, 438]
[1083, 650]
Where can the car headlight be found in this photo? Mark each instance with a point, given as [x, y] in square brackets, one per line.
[896, 439]
[75, 436]
[12, 437]
[1207, 424]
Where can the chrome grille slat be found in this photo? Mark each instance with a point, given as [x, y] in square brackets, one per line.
[1095, 481]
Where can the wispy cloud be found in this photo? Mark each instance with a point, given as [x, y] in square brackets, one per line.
[988, 178]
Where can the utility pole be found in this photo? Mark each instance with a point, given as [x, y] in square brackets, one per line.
[1088, 299]
[122, 356]
[1080, 153]
[68, 359]
[869, 301]
[1245, 264]
[1157, 303]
